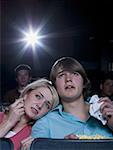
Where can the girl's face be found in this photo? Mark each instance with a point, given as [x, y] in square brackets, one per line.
[38, 102]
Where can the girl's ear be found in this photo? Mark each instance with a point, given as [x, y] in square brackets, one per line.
[25, 97]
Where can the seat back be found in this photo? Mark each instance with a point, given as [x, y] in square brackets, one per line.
[6, 144]
[57, 144]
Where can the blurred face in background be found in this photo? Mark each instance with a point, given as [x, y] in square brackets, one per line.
[23, 78]
[107, 88]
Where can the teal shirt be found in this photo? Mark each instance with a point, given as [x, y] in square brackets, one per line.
[57, 124]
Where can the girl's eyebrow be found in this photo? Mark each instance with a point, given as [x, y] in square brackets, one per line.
[44, 97]
[40, 94]
[48, 102]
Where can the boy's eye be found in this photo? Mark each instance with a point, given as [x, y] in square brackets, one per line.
[60, 75]
[76, 73]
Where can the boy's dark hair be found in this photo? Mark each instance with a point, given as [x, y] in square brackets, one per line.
[106, 76]
[72, 65]
[22, 67]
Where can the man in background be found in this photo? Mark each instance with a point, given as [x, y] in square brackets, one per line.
[106, 86]
[23, 76]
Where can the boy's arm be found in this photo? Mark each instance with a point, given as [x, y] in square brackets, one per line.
[107, 111]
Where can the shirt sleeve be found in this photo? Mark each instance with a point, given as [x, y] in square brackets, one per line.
[41, 129]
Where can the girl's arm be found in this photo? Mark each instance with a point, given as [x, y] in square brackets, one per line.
[16, 110]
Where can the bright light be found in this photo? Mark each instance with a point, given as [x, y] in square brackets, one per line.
[31, 38]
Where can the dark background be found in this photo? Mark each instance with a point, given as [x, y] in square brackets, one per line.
[79, 28]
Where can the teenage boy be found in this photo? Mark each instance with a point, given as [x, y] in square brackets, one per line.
[72, 116]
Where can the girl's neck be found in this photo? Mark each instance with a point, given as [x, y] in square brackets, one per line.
[21, 124]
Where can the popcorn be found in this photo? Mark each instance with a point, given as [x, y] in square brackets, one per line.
[94, 109]
[94, 137]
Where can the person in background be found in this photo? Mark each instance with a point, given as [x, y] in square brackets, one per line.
[35, 101]
[23, 75]
[106, 86]
[72, 119]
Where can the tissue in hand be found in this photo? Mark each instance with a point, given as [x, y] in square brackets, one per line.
[94, 109]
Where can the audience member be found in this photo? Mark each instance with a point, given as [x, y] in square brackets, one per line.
[72, 119]
[23, 77]
[106, 85]
[35, 101]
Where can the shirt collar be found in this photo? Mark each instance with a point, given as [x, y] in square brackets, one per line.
[59, 108]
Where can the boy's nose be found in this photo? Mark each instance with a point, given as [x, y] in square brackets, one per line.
[68, 77]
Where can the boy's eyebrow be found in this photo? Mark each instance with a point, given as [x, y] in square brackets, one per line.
[64, 71]
[60, 72]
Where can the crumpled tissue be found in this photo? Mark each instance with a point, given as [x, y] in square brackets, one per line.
[94, 109]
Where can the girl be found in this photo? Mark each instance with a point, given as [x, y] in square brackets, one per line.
[35, 101]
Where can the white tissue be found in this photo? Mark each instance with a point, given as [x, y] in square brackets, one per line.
[94, 109]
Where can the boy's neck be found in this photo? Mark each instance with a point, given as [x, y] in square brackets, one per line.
[79, 109]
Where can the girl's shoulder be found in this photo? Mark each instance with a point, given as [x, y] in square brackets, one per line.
[2, 116]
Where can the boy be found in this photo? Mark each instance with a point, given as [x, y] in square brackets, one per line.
[71, 119]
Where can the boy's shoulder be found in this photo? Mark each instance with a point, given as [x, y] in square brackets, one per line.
[53, 113]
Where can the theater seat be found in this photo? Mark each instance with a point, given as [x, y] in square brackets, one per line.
[57, 144]
[6, 144]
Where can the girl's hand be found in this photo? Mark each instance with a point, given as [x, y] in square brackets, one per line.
[16, 110]
[25, 144]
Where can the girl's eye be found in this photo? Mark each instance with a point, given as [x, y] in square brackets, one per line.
[38, 96]
[48, 105]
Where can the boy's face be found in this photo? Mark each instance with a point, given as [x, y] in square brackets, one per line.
[69, 85]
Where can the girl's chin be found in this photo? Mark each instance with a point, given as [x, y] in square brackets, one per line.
[30, 116]
[33, 117]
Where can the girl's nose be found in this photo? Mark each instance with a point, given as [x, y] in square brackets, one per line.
[40, 104]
